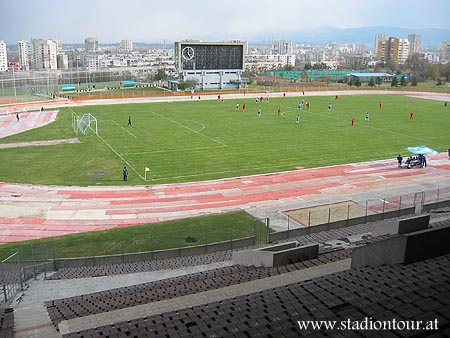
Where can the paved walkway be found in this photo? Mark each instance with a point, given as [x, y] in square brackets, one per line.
[27, 121]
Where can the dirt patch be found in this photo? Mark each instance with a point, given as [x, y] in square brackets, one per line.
[39, 143]
[97, 174]
[328, 213]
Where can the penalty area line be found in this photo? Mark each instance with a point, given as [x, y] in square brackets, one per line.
[190, 129]
[121, 157]
[124, 129]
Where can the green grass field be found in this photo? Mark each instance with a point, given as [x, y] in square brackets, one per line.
[203, 139]
[148, 237]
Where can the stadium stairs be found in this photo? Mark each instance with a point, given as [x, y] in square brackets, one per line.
[238, 301]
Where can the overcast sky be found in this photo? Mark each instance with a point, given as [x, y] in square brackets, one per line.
[159, 21]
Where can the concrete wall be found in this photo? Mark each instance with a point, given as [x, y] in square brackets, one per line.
[276, 255]
[428, 243]
[390, 251]
[153, 255]
[402, 226]
[412, 224]
[404, 248]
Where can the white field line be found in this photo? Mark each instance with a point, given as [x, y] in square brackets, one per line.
[173, 150]
[121, 157]
[225, 171]
[130, 133]
[190, 129]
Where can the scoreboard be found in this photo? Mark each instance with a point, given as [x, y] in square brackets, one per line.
[209, 55]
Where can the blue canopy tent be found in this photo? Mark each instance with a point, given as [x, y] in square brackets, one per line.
[424, 150]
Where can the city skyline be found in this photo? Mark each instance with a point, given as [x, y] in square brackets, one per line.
[151, 21]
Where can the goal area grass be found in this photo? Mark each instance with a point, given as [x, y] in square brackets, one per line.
[202, 139]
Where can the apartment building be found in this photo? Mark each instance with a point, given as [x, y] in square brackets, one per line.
[393, 48]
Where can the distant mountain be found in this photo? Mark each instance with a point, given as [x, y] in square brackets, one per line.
[431, 37]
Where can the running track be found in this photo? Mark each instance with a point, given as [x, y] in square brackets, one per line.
[31, 211]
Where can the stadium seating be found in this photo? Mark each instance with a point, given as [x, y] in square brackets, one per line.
[418, 291]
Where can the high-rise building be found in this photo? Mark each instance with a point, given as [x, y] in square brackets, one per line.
[445, 55]
[91, 45]
[44, 54]
[393, 49]
[382, 37]
[283, 47]
[126, 45]
[25, 53]
[3, 57]
[415, 43]
[91, 55]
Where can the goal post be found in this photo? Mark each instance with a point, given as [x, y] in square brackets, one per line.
[85, 124]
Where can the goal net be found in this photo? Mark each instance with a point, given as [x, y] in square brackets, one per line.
[85, 124]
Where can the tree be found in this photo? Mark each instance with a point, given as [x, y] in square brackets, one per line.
[445, 71]
[394, 82]
[357, 83]
[320, 66]
[432, 72]
[160, 75]
[379, 81]
[417, 62]
[371, 82]
[186, 84]
[414, 81]
[392, 66]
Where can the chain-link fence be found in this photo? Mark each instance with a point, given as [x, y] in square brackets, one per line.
[307, 220]
[346, 210]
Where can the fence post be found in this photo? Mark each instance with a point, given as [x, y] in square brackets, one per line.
[53, 249]
[179, 243]
[309, 218]
[32, 259]
[399, 205]
[365, 216]
[231, 239]
[348, 213]
[287, 234]
[267, 229]
[329, 215]
[384, 202]
[151, 246]
[437, 199]
[21, 278]
[206, 238]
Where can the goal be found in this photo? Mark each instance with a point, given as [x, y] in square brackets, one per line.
[84, 124]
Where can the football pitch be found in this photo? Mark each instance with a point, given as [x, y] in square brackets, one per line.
[209, 139]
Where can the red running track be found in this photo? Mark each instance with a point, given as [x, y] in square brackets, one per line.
[30, 211]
